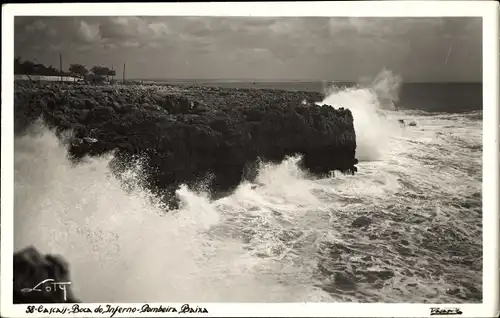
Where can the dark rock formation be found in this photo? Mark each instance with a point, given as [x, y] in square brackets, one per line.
[187, 133]
[39, 279]
[361, 222]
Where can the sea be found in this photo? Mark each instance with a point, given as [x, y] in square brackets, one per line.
[291, 238]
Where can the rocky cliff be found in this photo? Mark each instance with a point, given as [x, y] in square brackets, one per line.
[187, 133]
[183, 134]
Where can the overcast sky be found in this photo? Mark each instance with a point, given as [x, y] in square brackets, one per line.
[313, 48]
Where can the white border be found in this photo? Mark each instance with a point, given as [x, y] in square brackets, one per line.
[486, 9]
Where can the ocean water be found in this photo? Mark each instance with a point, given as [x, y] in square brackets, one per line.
[288, 239]
[430, 97]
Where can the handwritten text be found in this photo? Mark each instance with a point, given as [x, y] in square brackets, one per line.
[445, 311]
[48, 288]
[112, 310]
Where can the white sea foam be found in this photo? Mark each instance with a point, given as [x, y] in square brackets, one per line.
[264, 242]
[373, 128]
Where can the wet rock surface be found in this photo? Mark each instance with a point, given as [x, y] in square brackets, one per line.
[362, 221]
[182, 134]
[188, 133]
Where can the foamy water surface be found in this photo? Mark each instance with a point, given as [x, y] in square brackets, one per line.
[288, 239]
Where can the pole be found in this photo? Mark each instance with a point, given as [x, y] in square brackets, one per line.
[60, 66]
[123, 72]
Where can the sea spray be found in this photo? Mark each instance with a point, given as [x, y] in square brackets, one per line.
[275, 240]
[386, 87]
[367, 102]
[257, 244]
[123, 246]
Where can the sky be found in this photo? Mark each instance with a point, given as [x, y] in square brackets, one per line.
[427, 49]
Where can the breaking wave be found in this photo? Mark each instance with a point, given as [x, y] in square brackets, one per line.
[281, 239]
[367, 103]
